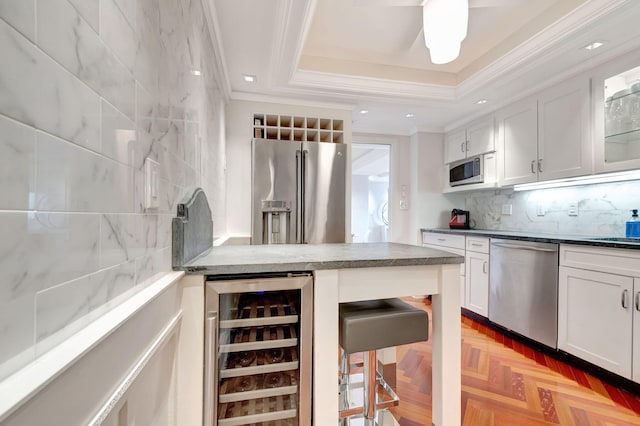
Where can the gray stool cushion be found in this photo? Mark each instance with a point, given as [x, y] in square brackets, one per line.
[377, 324]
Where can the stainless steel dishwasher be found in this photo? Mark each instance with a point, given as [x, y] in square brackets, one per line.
[523, 288]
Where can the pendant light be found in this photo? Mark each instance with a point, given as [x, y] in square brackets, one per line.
[445, 26]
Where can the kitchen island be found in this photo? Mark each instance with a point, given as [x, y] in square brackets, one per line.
[353, 272]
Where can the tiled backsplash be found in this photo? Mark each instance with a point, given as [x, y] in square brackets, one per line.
[88, 90]
[603, 209]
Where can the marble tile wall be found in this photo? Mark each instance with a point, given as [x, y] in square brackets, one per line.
[603, 209]
[88, 90]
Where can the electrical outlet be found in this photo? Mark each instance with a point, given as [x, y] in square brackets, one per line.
[404, 204]
[573, 209]
[540, 210]
[507, 209]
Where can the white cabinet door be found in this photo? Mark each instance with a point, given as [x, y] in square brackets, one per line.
[477, 283]
[518, 143]
[564, 136]
[595, 318]
[455, 146]
[481, 137]
[636, 331]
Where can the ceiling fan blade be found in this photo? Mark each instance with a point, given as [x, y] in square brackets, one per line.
[387, 3]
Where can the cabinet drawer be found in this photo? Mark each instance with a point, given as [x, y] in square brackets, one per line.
[610, 260]
[446, 240]
[479, 245]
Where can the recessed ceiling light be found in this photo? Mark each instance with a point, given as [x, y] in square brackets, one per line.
[364, 111]
[594, 45]
[249, 78]
[196, 72]
[482, 101]
[409, 115]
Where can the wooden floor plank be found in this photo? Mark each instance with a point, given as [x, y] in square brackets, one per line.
[507, 383]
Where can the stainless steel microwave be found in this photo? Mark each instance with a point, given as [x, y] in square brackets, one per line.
[469, 170]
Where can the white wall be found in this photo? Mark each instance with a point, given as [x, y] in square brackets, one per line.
[88, 90]
[239, 121]
[431, 208]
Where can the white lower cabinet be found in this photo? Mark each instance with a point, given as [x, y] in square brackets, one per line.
[451, 243]
[477, 275]
[593, 322]
[599, 307]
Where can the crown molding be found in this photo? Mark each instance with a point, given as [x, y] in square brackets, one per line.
[211, 18]
[258, 97]
[372, 86]
[539, 44]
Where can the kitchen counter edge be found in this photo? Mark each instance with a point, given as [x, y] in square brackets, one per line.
[256, 259]
[538, 237]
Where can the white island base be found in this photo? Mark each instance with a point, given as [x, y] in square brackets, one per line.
[332, 287]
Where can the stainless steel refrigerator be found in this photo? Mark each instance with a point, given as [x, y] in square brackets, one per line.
[298, 192]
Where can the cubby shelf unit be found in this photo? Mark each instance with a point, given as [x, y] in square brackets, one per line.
[298, 128]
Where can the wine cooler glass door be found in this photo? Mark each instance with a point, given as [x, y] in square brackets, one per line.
[263, 365]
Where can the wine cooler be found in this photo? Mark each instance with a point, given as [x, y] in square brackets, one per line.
[258, 351]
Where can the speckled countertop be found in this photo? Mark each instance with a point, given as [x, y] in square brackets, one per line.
[310, 257]
[616, 242]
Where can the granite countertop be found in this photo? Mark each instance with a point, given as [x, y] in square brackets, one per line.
[310, 257]
[597, 241]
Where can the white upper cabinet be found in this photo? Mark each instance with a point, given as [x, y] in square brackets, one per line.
[546, 137]
[518, 143]
[477, 138]
[480, 137]
[455, 145]
[616, 101]
[564, 137]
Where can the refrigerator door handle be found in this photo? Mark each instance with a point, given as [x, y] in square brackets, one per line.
[303, 195]
[299, 200]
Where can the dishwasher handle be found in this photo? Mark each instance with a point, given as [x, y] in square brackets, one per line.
[523, 247]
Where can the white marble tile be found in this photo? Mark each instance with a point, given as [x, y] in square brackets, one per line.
[127, 237]
[40, 250]
[68, 39]
[117, 33]
[17, 331]
[191, 143]
[21, 15]
[119, 136]
[73, 179]
[62, 310]
[65, 106]
[150, 266]
[90, 10]
[128, 9]
[17, 165]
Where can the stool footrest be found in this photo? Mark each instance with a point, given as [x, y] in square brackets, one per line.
[385, 396]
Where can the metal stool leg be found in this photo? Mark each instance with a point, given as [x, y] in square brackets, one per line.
[370, 366]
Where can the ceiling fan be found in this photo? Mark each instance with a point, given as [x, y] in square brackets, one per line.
[445, 22]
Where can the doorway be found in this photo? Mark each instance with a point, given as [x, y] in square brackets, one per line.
[370, 192]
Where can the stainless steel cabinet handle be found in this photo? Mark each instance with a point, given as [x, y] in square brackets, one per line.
[625, 293]
[210, 384]
[466, 146]
[462, 147]
[638, 301]
[520, 247]
[476, 245]
[540, 165]
[442, 239]
[533, 166]
[484, 267]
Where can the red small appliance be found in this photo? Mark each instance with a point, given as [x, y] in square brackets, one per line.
[459, 219]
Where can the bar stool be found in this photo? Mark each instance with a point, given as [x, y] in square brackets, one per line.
[365, 327]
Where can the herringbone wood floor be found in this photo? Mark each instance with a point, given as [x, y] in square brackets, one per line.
[505, 383]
